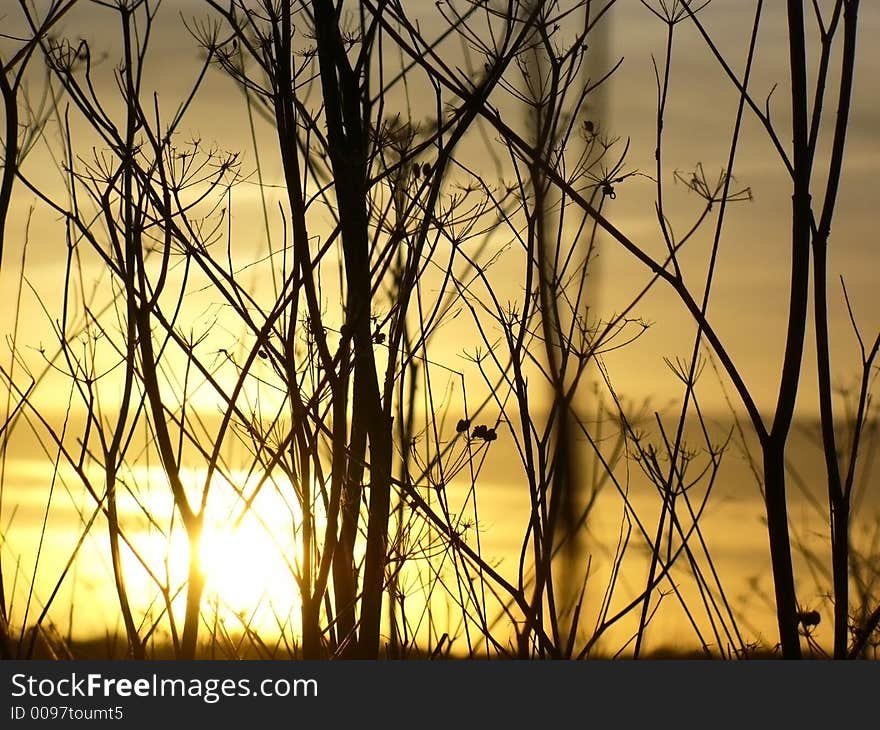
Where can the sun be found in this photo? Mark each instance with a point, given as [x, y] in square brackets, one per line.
[243, 565]
[249, 555]
[249, 565]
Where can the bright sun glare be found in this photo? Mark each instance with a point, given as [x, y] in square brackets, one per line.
[244, 567]
[247, 563]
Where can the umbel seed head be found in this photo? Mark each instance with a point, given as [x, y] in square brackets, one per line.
[809, 619]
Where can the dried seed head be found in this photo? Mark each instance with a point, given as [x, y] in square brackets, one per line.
[808, 619]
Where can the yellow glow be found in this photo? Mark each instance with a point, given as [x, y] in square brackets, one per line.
[246, 574]
[248, 556]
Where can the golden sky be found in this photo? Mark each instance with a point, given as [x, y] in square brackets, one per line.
[749, 301]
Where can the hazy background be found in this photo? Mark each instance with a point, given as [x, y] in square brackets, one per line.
[748, 308]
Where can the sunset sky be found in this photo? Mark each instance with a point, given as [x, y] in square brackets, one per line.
[748, 306]
[749, 303]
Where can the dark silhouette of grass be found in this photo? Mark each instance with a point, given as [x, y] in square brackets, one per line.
[321, 354]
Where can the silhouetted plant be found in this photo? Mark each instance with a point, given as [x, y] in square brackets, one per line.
[324, 356]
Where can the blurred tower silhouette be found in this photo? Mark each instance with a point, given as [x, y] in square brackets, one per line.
[568, 481]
